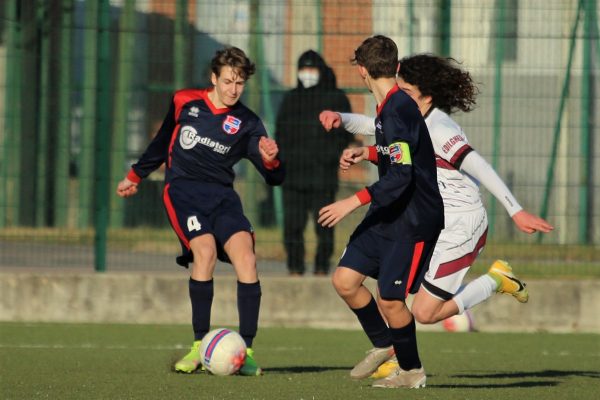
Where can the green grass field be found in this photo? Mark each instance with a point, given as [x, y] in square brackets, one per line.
[88, 361]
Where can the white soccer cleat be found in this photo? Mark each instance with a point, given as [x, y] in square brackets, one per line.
[399, 378]
[374, 358]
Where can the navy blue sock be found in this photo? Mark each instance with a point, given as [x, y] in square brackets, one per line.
[201, 296]
[248, 300]
[373, 324]
[405, 345]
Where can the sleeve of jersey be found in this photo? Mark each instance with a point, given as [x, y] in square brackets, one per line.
[398, 177]
[358, 124]
[477, 167]
[157, 151]
[273, 172]
[450, 145]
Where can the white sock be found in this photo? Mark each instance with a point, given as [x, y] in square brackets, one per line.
[475, 292]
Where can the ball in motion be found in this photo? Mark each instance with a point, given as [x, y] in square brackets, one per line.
[459, 323]
[222, 351]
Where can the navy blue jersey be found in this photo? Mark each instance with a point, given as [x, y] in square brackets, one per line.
[405, 201]
[200, 142]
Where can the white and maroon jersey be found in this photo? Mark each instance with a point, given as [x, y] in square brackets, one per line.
[457, 174]
[459, 191]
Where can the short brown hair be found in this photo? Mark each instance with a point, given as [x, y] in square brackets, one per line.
[234, 58]
[379, 55]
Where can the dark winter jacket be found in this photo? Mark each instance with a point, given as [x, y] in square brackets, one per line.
[311, 153]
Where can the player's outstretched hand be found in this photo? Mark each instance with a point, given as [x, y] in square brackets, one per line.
[330, 119]
[351, 156]
[530, 223]
[126, 188]
[335, 212]
[268, 148]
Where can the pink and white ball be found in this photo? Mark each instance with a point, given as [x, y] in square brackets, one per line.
[222, 351]
[459, 323]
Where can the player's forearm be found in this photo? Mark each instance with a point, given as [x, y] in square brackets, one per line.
[358, 124]
[156, 152]
[146, 165]
[276, 176]
[476, 166]
[390, 187]
[272, 171]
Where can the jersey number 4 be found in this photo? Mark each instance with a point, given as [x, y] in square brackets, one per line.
[193, 224]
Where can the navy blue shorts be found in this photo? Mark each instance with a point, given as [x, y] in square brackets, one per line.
[397, 265]
[197, 208]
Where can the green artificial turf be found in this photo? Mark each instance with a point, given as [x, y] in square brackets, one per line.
[99, 361]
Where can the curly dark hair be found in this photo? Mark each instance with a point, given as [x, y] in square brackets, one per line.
[234, 58]
[450, 87]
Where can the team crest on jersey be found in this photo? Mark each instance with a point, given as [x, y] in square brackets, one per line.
[395, 153]
[231, 125]
[399, 153]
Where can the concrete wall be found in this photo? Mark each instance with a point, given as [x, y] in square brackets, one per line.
[555, 306]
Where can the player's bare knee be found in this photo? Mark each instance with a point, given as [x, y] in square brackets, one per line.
[424, 316]
[205, 255]
[391, 306]
[248, 260]
[344, 287]
[245, 266]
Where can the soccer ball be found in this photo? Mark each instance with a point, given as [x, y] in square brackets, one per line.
[222, 351]
[459, 323]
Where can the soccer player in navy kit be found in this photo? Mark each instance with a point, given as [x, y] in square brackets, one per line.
[395, 240]
[204, 134]
[441, 87]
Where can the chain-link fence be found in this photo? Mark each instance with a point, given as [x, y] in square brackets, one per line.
[86, 84]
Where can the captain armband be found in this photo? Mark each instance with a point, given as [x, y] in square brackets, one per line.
[400, 153]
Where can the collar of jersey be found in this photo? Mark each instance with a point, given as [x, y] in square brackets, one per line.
[387, 96]
[210, 104]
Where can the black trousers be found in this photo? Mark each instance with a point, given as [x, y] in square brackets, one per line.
[298, 204]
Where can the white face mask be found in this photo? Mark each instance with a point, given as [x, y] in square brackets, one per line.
[308, 78]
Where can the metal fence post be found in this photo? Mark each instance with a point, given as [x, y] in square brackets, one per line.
[63, 135]
[11, 189]
[586, 143]
[85, 169]
[561, 107]
[497, 124]
[122, 107]
[42, 170]
[102, 163]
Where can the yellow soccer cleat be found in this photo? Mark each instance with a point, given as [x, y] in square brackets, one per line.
[508, 283]
[191, 361]
[386, 369]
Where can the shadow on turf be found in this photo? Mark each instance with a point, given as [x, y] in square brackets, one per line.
[548, 373]
[522, 384]
[497, 385]
[302, 370]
